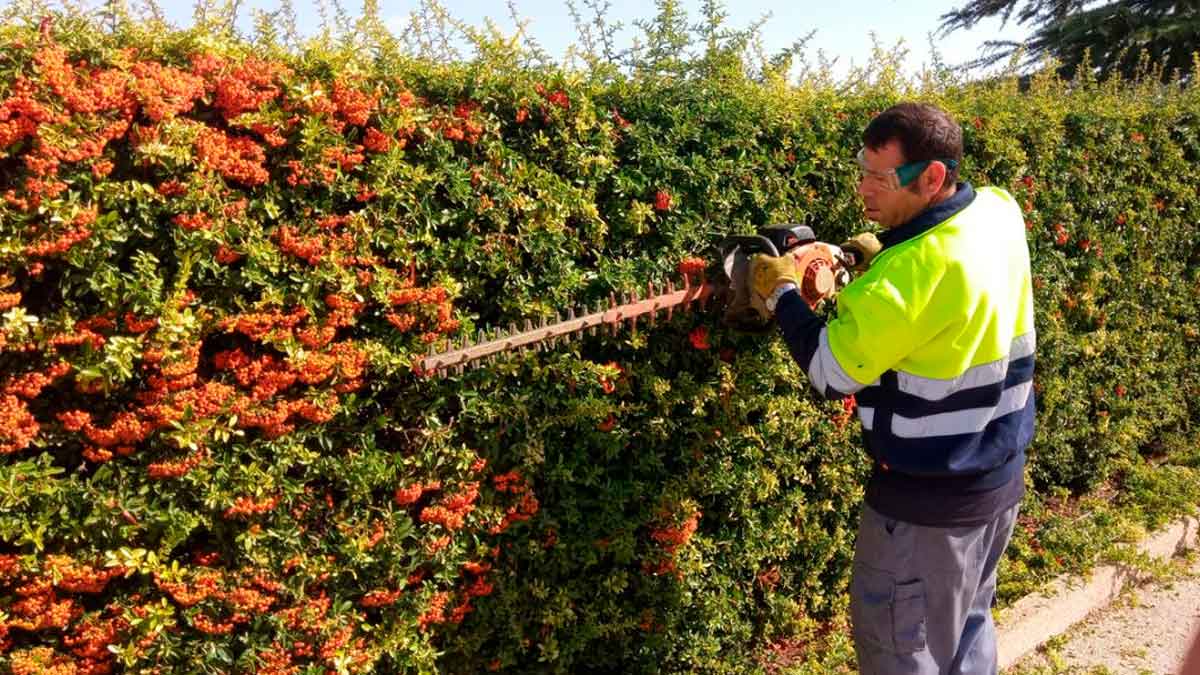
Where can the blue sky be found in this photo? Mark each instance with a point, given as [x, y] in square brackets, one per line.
[842, 31]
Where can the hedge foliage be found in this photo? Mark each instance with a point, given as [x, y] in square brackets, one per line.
[220, 260]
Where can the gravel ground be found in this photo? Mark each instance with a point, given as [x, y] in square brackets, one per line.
[1145, 632]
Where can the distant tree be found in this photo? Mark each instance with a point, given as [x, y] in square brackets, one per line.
[1113, 37]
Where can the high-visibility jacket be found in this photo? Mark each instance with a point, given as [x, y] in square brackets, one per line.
[936, 340]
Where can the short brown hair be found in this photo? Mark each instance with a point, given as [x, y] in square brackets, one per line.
[924, 131]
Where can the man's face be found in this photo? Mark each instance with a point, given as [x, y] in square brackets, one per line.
[884, 202]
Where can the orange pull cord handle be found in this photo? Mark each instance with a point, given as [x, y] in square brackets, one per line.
[819, 262]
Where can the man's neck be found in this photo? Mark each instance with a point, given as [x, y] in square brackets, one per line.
[943, 196]
[937, 199]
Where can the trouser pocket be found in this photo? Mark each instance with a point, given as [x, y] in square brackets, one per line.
[887, 614]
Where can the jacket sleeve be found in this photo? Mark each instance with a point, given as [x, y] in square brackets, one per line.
[805, 334]
[878, 323]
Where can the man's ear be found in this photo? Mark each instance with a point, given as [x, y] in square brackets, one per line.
[932, 178]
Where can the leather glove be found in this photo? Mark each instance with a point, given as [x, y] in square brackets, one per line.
[860, 249]
[768, 272]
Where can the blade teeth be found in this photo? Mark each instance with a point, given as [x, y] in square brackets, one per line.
[650, 294]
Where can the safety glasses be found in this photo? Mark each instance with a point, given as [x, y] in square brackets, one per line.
[894, 179]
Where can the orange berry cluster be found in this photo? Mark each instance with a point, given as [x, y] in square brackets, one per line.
[248, 86]
[9, 300]
[246, 506]
[272, 326]
[226, 255]
[309, 249]
[670, 537]
[235, 157]
[177, 468]
[452, 513]
[691, 266]
[30, 385]
[38, 606]
[377, 141]
[18, 427]
[59, 245]
[512, 482]
[409, 495]
[193, 221]
[380, 597]
[429, 308]
[21, 114]
[163, 91]
[353, 106]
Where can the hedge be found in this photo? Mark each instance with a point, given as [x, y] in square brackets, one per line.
[220, 261]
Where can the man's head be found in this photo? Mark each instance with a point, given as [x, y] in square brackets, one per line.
[909, 162]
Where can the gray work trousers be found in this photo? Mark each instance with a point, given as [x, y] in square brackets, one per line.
[921, 597]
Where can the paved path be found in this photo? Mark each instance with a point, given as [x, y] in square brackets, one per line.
[1145, 632]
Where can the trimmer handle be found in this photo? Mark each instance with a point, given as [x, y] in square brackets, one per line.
[749, 244]
[772, 240]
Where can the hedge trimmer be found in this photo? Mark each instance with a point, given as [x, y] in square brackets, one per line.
[826, 269]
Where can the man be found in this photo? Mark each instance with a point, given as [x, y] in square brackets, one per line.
[936, 340]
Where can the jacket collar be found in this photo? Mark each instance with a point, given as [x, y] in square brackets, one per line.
[927, 219]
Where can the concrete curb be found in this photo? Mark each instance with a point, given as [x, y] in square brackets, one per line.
[1036, 618]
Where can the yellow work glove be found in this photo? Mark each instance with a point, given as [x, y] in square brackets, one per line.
[861, 249]
[766, 274]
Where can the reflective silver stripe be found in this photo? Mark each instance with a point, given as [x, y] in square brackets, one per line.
[825, 371]
[1023, 345]
[867, 417]
[970, 421]
[932, 389]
